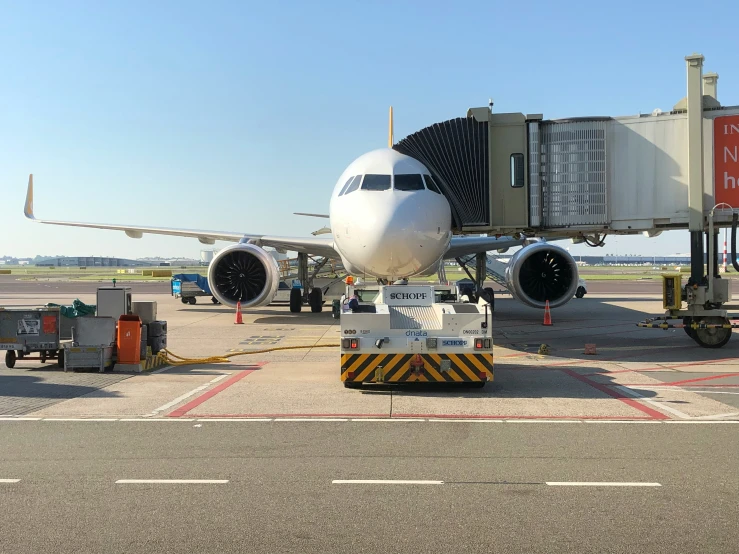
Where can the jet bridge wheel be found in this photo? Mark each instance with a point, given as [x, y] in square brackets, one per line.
[315, 299]
[296, 300]
[715, 337]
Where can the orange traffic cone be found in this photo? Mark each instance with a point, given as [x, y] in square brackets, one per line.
[547, 314]
[239, 320]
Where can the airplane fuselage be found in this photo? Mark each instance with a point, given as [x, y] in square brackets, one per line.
[387, 218]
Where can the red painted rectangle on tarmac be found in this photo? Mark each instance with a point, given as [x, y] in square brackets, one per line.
[617, 395]
[182, 410]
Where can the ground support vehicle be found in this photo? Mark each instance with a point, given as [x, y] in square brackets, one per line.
[406, 334]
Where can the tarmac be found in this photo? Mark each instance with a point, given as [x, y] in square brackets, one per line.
[636, 374]
[631, 449]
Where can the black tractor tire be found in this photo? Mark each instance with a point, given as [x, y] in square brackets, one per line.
[183, 300]
[193, 300]
[712, 338]
[10, 358]
[580, 292]
[296, 300]
[687, 321]
[44, 355]
[315, 299]
[214, 300]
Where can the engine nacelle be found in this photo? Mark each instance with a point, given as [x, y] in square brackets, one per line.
[244, 273]
[541, 272]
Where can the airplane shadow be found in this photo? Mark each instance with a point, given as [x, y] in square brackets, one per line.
[612, 328]
[29, 386]
[513, 383]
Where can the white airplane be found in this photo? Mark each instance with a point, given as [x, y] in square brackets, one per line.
[388, 219]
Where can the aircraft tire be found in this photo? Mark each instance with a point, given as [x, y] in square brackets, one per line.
[296, 300]
[315, 299]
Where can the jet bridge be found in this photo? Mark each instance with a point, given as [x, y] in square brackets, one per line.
[584, 177]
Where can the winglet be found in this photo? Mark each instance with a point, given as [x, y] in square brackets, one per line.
[28, 209]
[390, 129]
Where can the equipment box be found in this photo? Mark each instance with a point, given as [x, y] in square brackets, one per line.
[86, 357]
[24, 330]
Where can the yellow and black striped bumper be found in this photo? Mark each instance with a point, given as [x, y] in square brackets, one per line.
[405, 368]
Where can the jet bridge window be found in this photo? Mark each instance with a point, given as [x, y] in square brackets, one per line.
[376, 182]
[431, 184]
[517, 177]
[346, 185]
[409, 182]
[354, 185]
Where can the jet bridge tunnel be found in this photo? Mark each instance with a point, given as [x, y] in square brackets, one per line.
[510, 172]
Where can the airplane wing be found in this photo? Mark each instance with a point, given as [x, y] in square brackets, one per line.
[462, 246]
[309, 245]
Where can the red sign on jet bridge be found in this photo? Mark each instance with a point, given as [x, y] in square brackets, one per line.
[726, 159]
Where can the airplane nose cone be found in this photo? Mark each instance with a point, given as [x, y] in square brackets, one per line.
[404, 240]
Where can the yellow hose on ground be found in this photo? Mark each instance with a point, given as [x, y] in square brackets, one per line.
[170, 358]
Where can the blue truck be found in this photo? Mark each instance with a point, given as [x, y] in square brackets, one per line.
[188, 286]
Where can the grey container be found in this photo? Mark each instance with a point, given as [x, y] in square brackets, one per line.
[94, 331]
[157, 329]
[142, 354]
[147, 311]
[158, 343]
[88, 357]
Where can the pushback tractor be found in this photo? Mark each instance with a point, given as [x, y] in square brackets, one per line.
[408, 334]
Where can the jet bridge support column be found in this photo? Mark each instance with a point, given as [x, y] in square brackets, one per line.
[695, 165]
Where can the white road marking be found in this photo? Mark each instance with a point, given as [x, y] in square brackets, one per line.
[309, 419]
[599, 484]
[10, 480]
[235, 419]
[385, 420]
[172, 481]
[188, 395]
[659, 405]
[481, 420]
[622, 421]
[383, 482]
[20, 419]
[157, 419]
[79, 419]
[543, 421]
[705, 422]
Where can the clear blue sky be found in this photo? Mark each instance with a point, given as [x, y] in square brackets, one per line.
[233, 115]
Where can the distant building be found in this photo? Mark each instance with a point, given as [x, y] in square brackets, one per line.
[89, 261]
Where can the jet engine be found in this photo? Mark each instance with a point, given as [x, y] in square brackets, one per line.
[541, 272]
[243, 273]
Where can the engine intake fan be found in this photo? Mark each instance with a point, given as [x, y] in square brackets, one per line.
[541, 272]
[244, 273]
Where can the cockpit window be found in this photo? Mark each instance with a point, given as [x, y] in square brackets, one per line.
[354, 184]
[376, 182]
[346, 185]
[431, 184]
[409, 182]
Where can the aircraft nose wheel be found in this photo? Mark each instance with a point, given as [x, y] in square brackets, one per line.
[713, 337]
